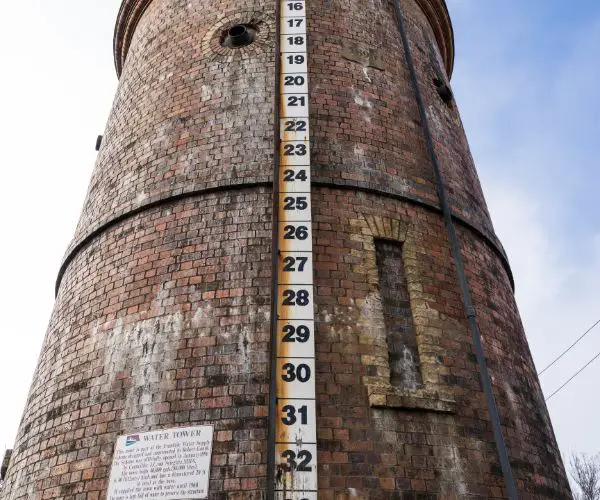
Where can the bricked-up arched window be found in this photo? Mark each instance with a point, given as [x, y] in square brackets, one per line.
[401, 338]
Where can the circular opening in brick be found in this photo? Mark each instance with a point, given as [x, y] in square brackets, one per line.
[238, 35]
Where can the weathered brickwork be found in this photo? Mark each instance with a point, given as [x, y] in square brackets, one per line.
[163, 309]
[366, 120]
[403, 352]
[161, 321]
[445, 447]
[185, 114]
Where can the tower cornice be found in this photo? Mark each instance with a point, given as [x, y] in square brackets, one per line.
[438, 16]
[132, 10]
[130, 14]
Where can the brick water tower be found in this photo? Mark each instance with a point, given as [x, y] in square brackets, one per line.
[285, 239]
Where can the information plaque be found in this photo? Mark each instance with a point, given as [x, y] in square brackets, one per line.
[169, 464]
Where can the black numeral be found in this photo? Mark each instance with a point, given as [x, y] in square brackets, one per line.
[294, 150]
[301, 373]
[304, 456]
[295, 23]
[295, 6]
[293, 298]
[294, 80]
[291, 176]
[295, 126]
[291, 417]
[296, 334]
[296, 101]
[291, 203]
[295, 233]
[299, 59]
[290, 264]
[295, 40]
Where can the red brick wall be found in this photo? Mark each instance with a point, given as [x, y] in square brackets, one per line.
[160, 321]
[384, 439]
[162, 315]
[186, 114]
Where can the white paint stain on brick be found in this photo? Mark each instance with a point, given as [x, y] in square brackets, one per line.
[245, 339]
[142, 351]
[409, 369]
[363, 101]
[141, 197]
[206, 92]
[514, 406]
[165, 76]
[324, 315]
[435, 121]
[359, 152]
[366, 73]
[203, 317]
[452, 478]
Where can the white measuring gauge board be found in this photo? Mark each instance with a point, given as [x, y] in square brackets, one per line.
[296, 427]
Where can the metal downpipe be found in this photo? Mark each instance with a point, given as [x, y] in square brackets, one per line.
[460, 270]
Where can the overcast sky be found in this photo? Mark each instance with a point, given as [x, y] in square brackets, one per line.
[526, 81]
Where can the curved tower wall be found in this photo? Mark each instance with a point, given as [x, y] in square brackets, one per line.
[163, 302]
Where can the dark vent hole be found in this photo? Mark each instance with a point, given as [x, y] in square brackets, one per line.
[239, 35]
[443, 90]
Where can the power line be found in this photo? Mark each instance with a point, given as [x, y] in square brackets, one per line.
[567, 382]
[571, 347]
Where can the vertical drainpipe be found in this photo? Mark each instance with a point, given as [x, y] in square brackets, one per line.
[272, 430]
[460, 269]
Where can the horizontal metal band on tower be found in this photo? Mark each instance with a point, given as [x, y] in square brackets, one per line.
[78, 245]
[132, 11]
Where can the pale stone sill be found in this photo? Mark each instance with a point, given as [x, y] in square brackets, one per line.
[387, 396]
